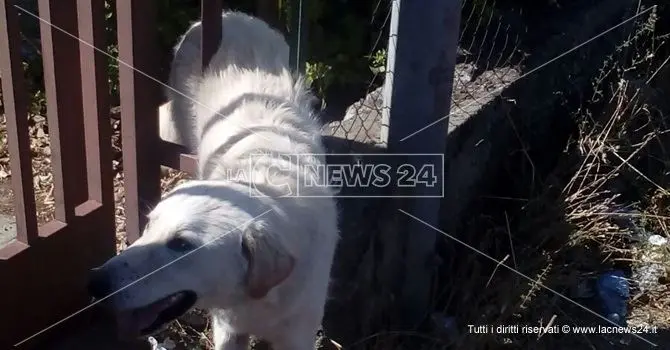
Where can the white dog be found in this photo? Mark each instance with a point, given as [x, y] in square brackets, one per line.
[253, 238]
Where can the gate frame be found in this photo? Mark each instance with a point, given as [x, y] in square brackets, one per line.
[41, 265]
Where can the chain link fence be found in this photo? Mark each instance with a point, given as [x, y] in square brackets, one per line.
[488, 60]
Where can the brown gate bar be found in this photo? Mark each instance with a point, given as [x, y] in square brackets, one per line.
[95, 91]
[210, 12]
[16, 113]
[139, 92]
[62, 81]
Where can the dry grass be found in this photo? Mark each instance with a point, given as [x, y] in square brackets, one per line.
[41, 162]
[572, 229]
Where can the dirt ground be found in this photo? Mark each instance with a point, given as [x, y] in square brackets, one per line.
[7, 220]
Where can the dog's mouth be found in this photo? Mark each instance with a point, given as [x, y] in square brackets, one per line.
[148, 319]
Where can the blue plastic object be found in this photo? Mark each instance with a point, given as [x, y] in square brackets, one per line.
[613, 291]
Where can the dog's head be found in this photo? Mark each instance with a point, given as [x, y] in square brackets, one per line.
[205, 245]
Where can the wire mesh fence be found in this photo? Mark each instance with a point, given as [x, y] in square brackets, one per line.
[488, 60]
[361, 120]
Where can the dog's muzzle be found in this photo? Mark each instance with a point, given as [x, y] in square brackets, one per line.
[146, 319]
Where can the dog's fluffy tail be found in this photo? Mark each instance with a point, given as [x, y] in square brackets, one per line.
[246, 43]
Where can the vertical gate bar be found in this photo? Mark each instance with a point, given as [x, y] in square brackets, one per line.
[298, 34]
[140, 97]
[210, 14]
[268, 10]
[95, 92]
[16, 113]
[422, 57]
[62, 81]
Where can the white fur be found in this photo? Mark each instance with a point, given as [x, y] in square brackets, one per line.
[257, 143]
[269, 50]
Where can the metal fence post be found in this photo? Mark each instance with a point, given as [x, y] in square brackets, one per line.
[417, 96]
[298, 35]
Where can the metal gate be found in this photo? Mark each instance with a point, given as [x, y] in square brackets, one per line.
[43, 271]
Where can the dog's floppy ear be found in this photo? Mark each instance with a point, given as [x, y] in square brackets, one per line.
[269, 263]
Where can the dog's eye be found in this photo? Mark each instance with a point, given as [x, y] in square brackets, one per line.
[180, 244]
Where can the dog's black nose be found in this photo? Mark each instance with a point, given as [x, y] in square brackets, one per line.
[98, 283]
